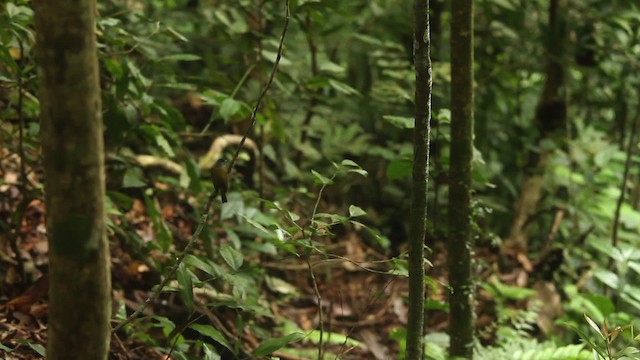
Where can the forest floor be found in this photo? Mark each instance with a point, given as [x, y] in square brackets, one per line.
[359, 298]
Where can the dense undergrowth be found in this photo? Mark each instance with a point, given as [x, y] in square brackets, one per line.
[309, 253]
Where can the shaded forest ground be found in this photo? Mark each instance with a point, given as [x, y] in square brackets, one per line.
[359, 297]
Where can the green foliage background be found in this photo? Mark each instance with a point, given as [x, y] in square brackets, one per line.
[176, 74]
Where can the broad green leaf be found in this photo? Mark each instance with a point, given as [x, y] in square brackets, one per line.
[200, 264]
[10, 350]
[342, 87]
[348, 162]
[511, 292]
[208, 330]
[331, 67]
[164, 145]
[272, 55]
[607, 277]
[355, 211]
[351, 166]
[186, 285]
[194, 175]
[231, 256]
[321, 179]
[229, 108]
[280, 286]
[36, 347]
[133, 178]
[398, 169]
[210, 352]
[180, 57]
[401, 122]
[269, 346]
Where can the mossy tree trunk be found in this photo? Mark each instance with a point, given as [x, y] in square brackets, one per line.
[422, 63]
[71, 128]
[460, 247]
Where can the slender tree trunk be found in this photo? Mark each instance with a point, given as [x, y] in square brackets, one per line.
[79, 296]
[422, 63]
[461, 318]
[551, 123]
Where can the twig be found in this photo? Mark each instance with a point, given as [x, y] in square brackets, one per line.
[266, 87]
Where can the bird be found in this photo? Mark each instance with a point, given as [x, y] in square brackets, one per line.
[220, 178]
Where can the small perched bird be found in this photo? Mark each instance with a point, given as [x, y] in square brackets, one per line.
[220, 178]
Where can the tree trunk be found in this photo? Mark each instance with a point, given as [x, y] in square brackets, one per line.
[79, 295]
[422, 63]
[551, 123]
[460, 247]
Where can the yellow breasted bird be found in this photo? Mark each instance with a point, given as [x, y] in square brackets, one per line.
[220, 178]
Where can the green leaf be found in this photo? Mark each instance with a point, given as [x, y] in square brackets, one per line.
[180, 57]
[186, 285]
[511, 292]
[177, 34]
[210, 352]
[348, 162]
[331, 67]
[231, 256]
[194, 175]
[351, 166]
[200, 264]
[208, 330]
[36, 347]
[164, 145]
[400, 121]
[342, 87]
[398, 169]
[602, 303]
[272, 55]
[280, 286]
[607, 277]
[505, 4]
[229, 108]
[594, 325]
[133, 178]
[9, 350]
[121, 313]
[114, 67]
[321, 179]
[269, 346]
[355, 211]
